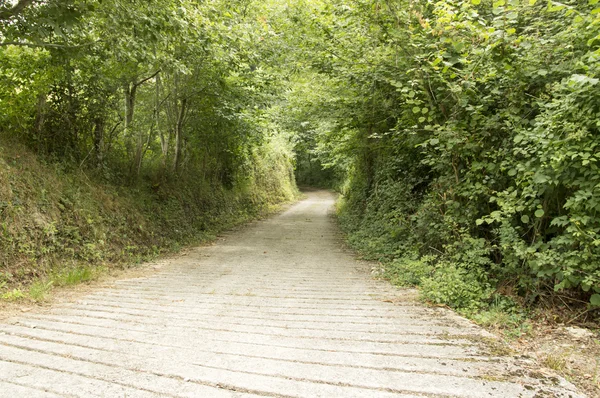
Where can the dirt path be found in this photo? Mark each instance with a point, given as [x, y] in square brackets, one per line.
[276, 309]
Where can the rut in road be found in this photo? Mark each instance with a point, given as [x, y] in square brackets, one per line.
[277, 309]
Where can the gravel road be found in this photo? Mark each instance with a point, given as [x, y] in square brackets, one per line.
[278, 309]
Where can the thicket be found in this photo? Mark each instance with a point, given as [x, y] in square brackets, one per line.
[130, 127]
[468, 132]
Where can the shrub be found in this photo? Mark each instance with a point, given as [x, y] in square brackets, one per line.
[407, 271]
[455, 287]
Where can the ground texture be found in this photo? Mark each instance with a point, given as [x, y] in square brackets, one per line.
[276, 309]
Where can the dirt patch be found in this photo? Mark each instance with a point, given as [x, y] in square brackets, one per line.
[571, 351]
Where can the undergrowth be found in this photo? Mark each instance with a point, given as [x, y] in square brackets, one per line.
[456, 276]
[62, 226]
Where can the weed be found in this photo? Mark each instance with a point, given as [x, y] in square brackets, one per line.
[494, 378]
[456, 287]
[513, 323]
[555, 361]
[74, 276]
[409, 272]
[13, 295]
[39, 290]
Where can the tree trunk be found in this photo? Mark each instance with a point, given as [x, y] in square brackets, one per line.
[164, 138]
[130, 92]
[137, 151]
[40, 118]
[99, 141]
[179, 135]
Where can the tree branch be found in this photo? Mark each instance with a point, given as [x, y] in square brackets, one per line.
[146, 79]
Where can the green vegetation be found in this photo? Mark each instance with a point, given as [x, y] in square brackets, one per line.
[557, 362]
[128, 130]
[463, 135]
[467, 135]
[62, 227]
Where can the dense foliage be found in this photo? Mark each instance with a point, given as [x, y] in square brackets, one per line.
[161, 86]
[150, 121]
[468, 133]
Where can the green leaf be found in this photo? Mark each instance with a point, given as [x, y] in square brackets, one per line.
[595, 300]
[552, 7]
[476, 2]
[585, 287]
[512, 172]
[532, 2]
[416, 109]
[479, 221]
[583, 79]
[539, 213]
[539, 178]
[525, 219]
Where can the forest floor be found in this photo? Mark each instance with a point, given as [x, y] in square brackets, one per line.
[276, 308]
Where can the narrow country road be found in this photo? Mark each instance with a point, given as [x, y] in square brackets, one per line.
[277, 309]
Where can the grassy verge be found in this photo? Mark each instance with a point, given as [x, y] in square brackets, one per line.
[61, 227]
[41, 289]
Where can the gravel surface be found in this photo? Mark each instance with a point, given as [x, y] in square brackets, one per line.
[277, 309]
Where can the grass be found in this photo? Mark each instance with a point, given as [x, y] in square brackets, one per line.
[555, 361]
[60, 227]
[75, 276]
[40, 289]
[13, 295]
[513, 324]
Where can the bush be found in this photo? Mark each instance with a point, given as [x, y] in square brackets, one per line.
[455, 287]
[492, 165]
[407, 271]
